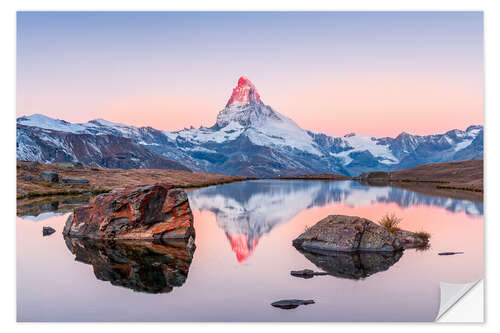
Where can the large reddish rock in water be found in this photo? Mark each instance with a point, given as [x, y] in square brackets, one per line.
[158, 211]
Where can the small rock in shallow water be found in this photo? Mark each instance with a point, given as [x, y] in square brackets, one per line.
[306, 273]
[48, 231]
[449, 253]
[291, 303]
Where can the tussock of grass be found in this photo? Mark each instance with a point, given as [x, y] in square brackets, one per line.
[307, 228]
[424, 247]
[424, 235]
[390, 222]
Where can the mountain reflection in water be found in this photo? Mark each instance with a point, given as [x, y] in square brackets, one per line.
[247, 210]
[142, 266]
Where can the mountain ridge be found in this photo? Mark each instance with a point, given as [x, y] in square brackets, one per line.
[249, 138]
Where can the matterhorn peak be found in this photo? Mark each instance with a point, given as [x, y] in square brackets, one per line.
[244, 93]
[246, 108]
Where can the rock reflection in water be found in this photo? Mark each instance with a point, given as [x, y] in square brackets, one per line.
[142, 266]
[353, 265]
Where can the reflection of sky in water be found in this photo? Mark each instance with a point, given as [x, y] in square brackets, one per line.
[254, 197]
[257, 221]
[248, 210]
[42, 216]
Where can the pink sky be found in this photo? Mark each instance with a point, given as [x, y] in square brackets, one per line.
[336, 73]
[365, 105]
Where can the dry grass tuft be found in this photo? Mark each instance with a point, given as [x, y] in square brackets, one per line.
[424, 235]
[390, 222]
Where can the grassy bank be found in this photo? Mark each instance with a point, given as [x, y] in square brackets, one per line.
[461, 175]
[101, 180]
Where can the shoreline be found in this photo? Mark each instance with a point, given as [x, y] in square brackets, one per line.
[30, 184]
[78, 192]
[456, 179]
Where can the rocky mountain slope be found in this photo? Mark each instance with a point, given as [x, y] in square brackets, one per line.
[248, 138]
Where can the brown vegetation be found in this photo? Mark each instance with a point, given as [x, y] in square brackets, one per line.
[464, 175]
[390, 222]
[423, 235]
[104, 180]
[460, 180]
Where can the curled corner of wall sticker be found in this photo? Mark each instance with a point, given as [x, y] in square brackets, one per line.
[456, 305]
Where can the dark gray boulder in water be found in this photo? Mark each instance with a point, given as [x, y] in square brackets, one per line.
[48, 231]
[352, 233]
[352, 247]
[291, 303]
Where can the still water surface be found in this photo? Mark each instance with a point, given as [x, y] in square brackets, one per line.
[243, 260]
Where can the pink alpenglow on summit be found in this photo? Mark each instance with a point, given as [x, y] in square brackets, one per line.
[242, 246]
[244, 93]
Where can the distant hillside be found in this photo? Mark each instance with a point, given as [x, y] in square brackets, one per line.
[462, 175]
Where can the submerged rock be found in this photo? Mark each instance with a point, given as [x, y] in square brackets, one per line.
[143, 266]
[291, 303]
[306, 273]
[157, 211]
[352, 265]
[449, 253]
[351, 233]
[48, 231]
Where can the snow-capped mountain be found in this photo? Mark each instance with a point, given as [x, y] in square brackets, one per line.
[96, 143]
[248, 138]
